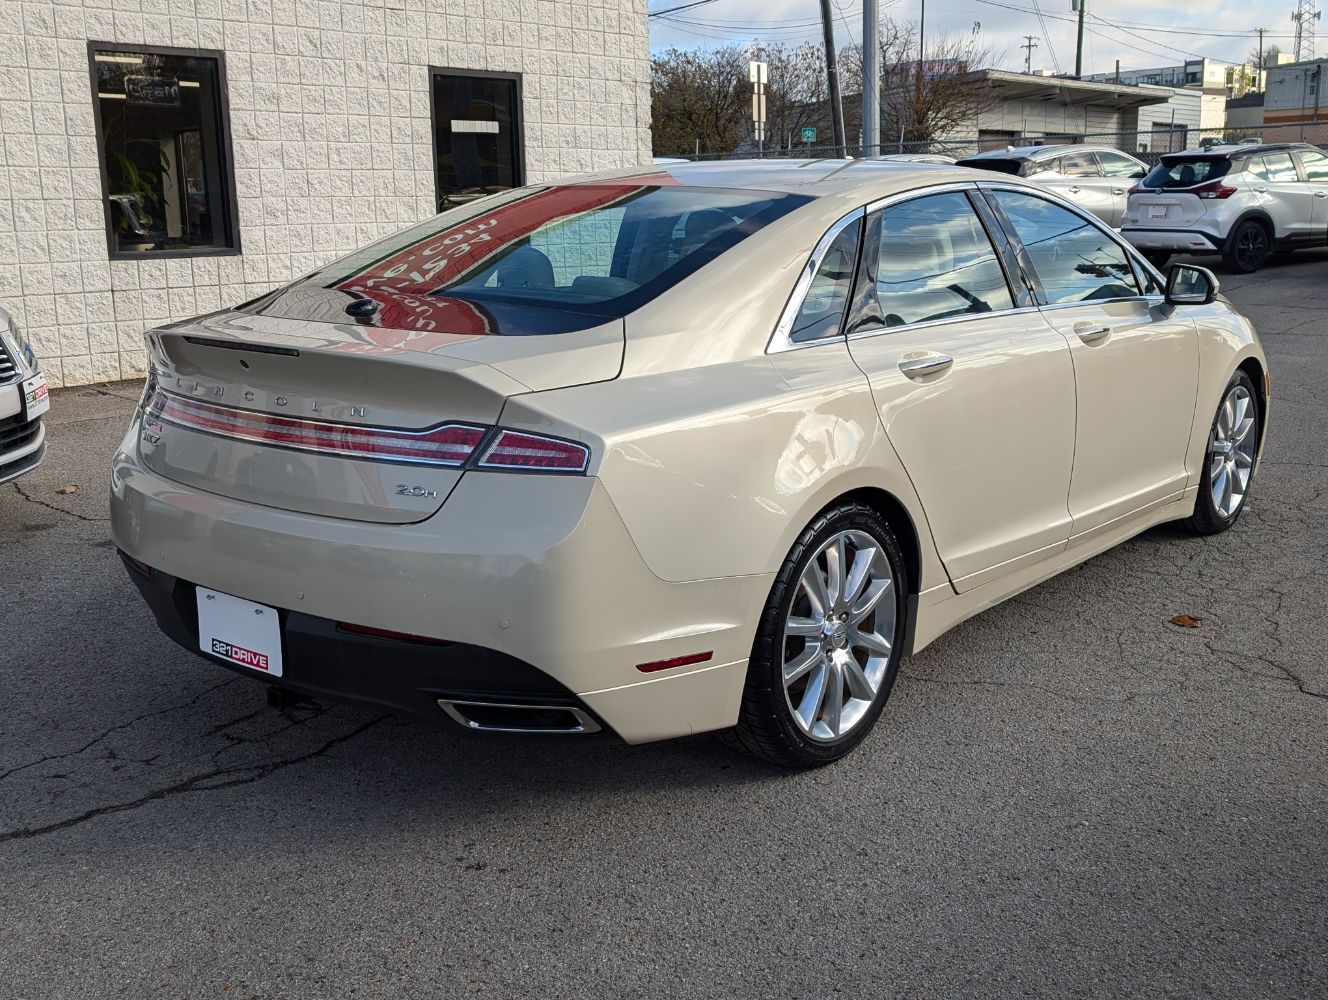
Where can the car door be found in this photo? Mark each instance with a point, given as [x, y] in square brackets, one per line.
[1315, 166]
[1078, 178]
[976, 394]
[1288, 200]
[1121, 173]
[1136, 361]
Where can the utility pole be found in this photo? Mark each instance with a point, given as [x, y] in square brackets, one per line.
[871, 80]
[1082, 7]
[1030, 43]
[832, 78]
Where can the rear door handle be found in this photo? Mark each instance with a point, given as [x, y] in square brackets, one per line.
[1073, 190]
[929, 365]
[1262, 190]
[1117, 190]
[1321, 194]
[1089, 333]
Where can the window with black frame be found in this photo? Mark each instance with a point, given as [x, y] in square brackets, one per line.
[165, 157]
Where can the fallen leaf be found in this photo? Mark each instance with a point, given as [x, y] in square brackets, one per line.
[64, 491]
[1186, 621]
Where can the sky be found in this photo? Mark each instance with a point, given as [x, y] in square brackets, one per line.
[1140, 33]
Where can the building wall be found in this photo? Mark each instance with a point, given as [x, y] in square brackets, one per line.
[1037, 118]
[329, 106]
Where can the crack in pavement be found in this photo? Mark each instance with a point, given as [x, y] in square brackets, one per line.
[118, 728]
[18, 488]
[233, 776]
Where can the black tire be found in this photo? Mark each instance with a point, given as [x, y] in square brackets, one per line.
[1158, 258]
[1248, 247]
[1207, 519]
[766, 727]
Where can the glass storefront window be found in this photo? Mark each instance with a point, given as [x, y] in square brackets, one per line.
[165, 155]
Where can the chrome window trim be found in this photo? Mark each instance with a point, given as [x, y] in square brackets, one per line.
[779, 339]
[948, 321]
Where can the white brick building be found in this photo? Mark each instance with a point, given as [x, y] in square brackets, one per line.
[164, 158]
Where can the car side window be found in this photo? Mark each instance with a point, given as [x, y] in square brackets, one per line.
[822, 311]
[1079, 165]
[1279, 168]
[1074, 259]
[1115, 165]
[1315, 164]
[936, 262]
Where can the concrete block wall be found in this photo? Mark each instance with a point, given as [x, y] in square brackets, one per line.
[329, 105]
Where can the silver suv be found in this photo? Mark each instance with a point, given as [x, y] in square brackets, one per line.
[23, 400]
[1096, 178]
[1242, 202]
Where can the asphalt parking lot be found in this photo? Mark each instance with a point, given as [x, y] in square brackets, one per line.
[1067, 796]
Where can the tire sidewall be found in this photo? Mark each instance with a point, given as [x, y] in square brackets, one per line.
[767, 653]
[1233, 261]
[1206, 512]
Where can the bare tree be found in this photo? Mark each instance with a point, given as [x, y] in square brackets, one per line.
[1269, 55]
[928, 99]
[698, 98]
[796, 88]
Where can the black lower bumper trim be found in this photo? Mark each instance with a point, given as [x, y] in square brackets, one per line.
[321, 661]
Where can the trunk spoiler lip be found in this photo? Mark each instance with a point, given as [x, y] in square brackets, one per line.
[534, 363]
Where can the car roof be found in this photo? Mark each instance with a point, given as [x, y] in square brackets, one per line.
[811, 178]
[1237, 149]
[1041, 152]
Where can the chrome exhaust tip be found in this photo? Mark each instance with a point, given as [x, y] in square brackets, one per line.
[507, 717]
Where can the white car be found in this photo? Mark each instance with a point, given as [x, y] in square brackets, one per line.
[1243, 202]
[23, 400]
[1096, 178]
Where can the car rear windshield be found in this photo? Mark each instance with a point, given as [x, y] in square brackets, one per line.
[536, 260]
[1004, 165]
[1186, 171]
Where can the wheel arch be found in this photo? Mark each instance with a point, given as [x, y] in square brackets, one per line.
[900, 521]
[1252, 215]
[1254, 368]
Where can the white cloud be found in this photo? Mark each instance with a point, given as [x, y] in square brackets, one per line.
[1132, 33]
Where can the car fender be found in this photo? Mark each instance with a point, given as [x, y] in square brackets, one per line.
[1227, 341]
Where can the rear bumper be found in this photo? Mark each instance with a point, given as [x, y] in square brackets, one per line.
[533, 569]
[1177, 240]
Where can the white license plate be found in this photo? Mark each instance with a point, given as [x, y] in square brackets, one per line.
[239, 631]
[1157, 211]
[36, 397]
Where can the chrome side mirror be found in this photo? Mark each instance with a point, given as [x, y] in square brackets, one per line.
[1191, 285]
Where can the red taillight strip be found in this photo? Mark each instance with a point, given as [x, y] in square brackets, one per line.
[534, 453]
[677, 661]
[448, 444]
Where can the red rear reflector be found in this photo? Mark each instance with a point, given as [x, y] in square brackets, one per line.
[387, 633]
[447, 444]
[677, 661]
[518, 450]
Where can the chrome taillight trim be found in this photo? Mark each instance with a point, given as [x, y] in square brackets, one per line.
[321, 437]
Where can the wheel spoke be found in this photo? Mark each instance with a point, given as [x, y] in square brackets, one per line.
[1228, 488]
[867, 602]
[814, 585]
[869, 641]
[858, 575]
[812, 698]
[834, 697]
[1242, 429]
[858, 685]
[1224, 419]
[1220, 486]
[836, 558]
[803, 627]
[801, 663]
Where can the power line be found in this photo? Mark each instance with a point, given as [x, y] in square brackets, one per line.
[685, 6]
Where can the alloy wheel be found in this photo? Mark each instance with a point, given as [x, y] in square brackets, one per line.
[1231, 451]
[1251, 246]
[838, 635]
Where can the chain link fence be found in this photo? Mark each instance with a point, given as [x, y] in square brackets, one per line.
[1147, 145]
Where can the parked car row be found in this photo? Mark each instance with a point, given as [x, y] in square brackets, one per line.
[1241, 201]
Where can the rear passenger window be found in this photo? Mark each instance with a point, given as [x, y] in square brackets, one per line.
[822, 310]
[1278, 167]
[1079, 165]
[935, 262]
[1074, 259]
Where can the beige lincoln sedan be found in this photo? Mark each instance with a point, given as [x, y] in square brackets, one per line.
[704, 447]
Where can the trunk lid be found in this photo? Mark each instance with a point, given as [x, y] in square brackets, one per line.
[265, 409]
[1164, 209]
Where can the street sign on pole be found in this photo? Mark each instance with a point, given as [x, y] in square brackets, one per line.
[757, 72]
[809, 135]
